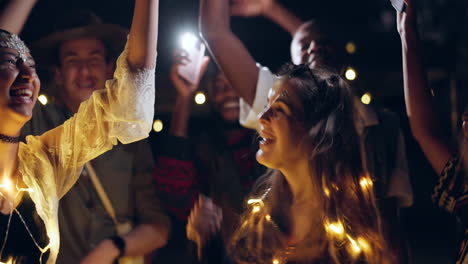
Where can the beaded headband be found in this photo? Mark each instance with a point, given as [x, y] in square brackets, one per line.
[12, 41]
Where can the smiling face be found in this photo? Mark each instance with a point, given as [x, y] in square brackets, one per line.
[83, 69]
[280, 129]
[19, 84]
[311, 45]
[225, 99]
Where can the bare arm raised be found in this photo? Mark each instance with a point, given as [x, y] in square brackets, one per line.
[229, 52]
[420, 107]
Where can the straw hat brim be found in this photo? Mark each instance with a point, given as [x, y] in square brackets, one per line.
[114, 36]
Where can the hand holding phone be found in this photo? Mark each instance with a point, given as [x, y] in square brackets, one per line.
[195, 51]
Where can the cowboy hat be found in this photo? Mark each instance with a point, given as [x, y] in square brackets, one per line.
[79, 24]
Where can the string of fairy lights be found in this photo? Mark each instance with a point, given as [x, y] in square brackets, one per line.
[7, 186]
[335, 229]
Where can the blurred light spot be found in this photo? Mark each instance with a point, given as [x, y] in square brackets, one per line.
[43, 99]
[366, 98]
[275, 261]
[200, 98]
[188, 41]
[158, 125]
[256, 209]
[351, 47]
[350, 74]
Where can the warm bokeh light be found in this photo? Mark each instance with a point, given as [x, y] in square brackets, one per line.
[351, 74]
[363, 244]
[200, 98]
[275, 261]
[351, 47]
[366, 98]
[254, 201]
[365, 182]
[354, 246]
[268, 217]
[256, 209]
[336, 228]
[42, 99]
[158, 125]
[6, 184]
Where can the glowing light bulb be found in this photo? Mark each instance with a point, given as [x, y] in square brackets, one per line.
[276, 261]
[7, 184]
[351, 74]
[256, 209]
[254, 201]
[354, 246]
[42, 99]
[366, 98]
[268, 217]
[363, 244]
[200, 98]
[351, 47]
[365, 182]
[158, 125]
[336, 228]
[326, 191]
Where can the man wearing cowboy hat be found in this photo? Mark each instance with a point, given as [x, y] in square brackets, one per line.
[80, 57]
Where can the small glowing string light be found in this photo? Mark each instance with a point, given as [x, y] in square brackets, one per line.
[365, 182]
[335, 228]
[276, 261]
[255, 201]
[326, 191]
[6, 184]
[268, 217]
[354, 246]
[256, 209]
[363, 244]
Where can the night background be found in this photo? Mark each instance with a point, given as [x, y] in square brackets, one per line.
[370, 25]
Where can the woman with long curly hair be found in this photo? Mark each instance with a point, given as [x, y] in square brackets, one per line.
[317, 203]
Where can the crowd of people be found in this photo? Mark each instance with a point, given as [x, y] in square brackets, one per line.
[292, 167]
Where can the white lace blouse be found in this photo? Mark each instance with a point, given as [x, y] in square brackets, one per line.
[51, 163]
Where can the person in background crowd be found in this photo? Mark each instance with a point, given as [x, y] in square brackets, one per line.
[213, 169]
[451, 191]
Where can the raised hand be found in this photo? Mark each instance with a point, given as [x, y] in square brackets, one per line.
[406, 20]
[250, 8]
[183, 87]
[204, 221]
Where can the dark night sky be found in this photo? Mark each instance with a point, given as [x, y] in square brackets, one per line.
[370, 24]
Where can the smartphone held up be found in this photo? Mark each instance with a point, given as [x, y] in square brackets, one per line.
[195, 50]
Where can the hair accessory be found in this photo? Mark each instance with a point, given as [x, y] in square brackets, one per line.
[8, 139]
[12, 41]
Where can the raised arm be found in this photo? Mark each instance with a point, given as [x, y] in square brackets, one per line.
[270, 9]
[122, 112]
[14, 15]
[143, 36]
[420, 107]
[229, 52]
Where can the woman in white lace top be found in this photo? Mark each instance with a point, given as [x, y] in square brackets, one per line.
[47, 166]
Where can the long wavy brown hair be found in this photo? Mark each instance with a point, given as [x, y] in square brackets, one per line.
[346, 226]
